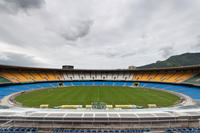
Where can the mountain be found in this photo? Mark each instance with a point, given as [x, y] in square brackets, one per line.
[186, 59]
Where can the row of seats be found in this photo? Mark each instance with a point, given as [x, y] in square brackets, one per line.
[7, 90]
[102, 131]
[177, 77]
[18, 130]
[98, 83]
[193, 92]
[183, 130]
[31, 76]
[56, 76]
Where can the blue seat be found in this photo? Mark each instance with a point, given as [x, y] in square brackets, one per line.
[44, 84]
[129, 84]
[34, 130]
[68, 83]
[77, 83]
[98, 83]
[88, 83]
[117, 83]
[108, 83]
[54, 84]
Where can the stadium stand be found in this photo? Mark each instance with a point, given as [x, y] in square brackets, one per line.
[183, 130]
[191, 91]
[103, 131]
[30, 76]
[18, 130]
[174, 77]
[119, 83]
[108, 83]
[68, 83]
[77, 83]
[98, 83]
[9, 76]
[183, 80]
[129, 84]
[88, 83]
[50, 76]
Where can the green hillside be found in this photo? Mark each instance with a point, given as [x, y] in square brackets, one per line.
[186, 59]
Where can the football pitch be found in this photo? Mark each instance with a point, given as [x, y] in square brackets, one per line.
[85, 95]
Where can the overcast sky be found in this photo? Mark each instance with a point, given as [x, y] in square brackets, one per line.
[96, 34]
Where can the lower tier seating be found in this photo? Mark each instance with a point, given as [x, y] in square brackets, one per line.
[183, 130]
[102, 131]
[191, 91]
[18, 130]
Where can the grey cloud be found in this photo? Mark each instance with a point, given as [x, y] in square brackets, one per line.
[77, 30]
[115, 32]
[127, 55]
[3, 8]
[110, 53]
[166, 51]
[196, 46]
[14, 6]
[9, 58]
[106, 52]
[198, 41]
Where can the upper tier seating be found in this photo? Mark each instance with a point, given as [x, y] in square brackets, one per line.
[9, 76]
[102, 76]
[31, 76]
[176, 77]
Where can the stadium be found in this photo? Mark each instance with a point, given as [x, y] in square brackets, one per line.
[99, 66]
[181, 115]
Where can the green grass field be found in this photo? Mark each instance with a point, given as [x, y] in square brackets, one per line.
[83, 95]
